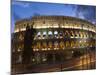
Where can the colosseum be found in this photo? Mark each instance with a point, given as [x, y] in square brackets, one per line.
[57, 39]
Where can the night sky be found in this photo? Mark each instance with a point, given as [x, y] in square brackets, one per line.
[21, 10]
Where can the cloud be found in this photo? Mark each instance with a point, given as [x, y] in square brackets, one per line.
[22, 4]
[86, 12]
[28, 9]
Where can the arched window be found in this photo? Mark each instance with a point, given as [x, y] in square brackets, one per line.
[56, 34]
[39, 35]
[67, 44]
[87, 35]
[76, 34]
[76, 44]
[50, 45]
[44, 46]
[44, 34]
[67, 34]
[80, 35]
[56, 45]
[62, 45]
[61, 34]
[90, 35]
[50, 34]
[81, 44]
[72, 34]
[83, 34]
[38, 46]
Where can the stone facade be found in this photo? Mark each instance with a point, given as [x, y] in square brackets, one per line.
[56, 38]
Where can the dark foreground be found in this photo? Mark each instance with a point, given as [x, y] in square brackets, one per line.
[84, 62]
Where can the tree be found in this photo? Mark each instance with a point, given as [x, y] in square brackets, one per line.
[28, 42]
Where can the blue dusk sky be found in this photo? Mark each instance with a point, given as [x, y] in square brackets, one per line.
[21, 10]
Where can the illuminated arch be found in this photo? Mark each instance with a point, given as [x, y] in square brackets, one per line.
[62, 45]
[56, 34]
[56, 45]
[44, 46]
[67, 44]
[50, 45]
[72, 43]
[39, 45]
